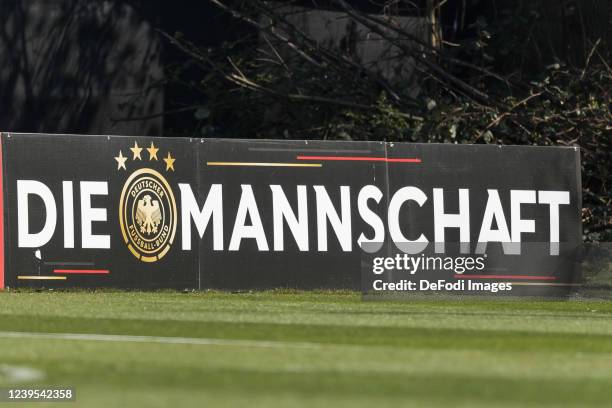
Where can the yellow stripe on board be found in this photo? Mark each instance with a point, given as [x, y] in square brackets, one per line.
[255, 164]
[25, 277]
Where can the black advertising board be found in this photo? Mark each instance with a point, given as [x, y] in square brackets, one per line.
[81, 178]
[137, 212]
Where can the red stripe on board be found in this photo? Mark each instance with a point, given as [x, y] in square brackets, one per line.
[526, 277]
[1, 220]
[83, 271]
[359, 158]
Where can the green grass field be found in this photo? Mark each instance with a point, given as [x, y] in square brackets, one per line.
[307, 349]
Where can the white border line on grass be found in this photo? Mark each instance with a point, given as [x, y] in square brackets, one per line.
[159, 340]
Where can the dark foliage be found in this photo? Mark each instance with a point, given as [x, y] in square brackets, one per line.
[505, 75]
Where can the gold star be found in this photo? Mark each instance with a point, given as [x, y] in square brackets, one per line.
[136, 150]
[121, 161]
[169, 162]
[152, 152]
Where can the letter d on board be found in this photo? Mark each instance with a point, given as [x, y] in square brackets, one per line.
[25, 188]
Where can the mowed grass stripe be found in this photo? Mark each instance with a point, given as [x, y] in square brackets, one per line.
[155, 370]
[409, 337]
[136, 302]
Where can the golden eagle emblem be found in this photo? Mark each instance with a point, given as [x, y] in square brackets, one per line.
[148, 215]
